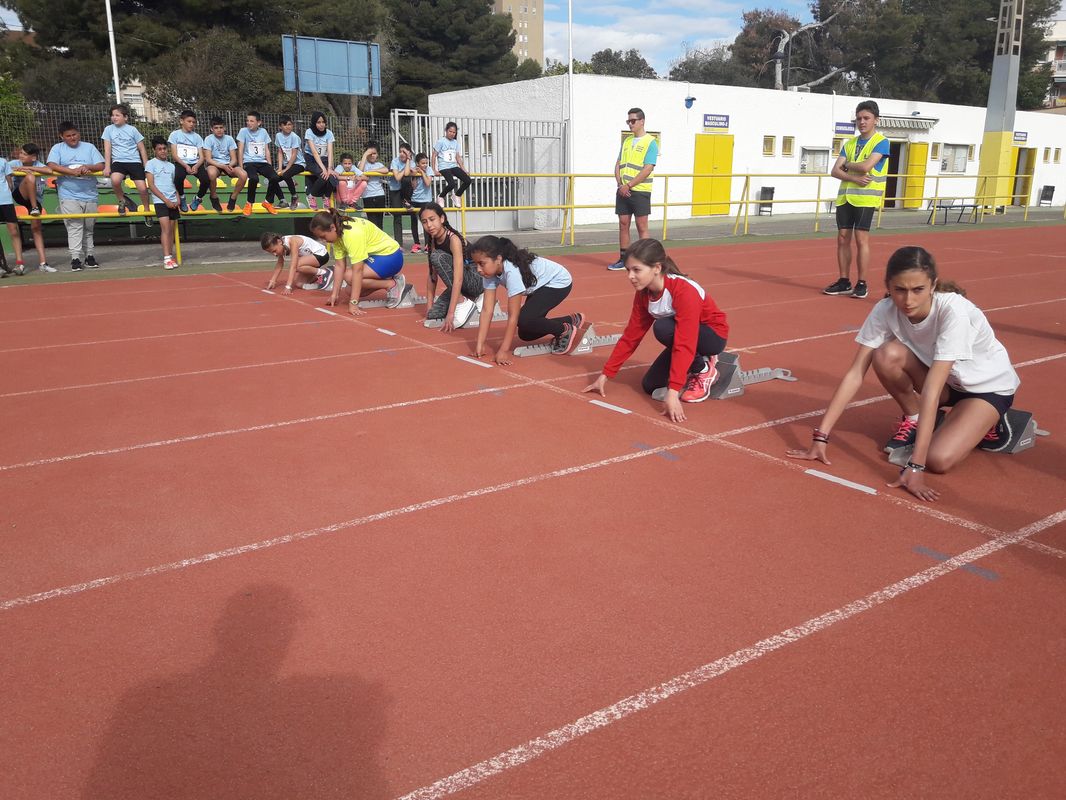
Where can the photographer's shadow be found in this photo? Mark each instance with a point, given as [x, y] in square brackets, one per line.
[237, 727]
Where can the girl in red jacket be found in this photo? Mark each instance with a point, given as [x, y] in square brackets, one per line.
[685, 320]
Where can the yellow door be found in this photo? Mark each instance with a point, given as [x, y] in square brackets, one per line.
[713, 156]
[914, 183]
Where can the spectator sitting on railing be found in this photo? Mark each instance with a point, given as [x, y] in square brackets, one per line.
[124, 155]
[448, 163]
[290, 161]
[318, 152]
[28, 191]
[221, 151]
[75, 161]
[253, 151]
[351, 183]
[187, 149]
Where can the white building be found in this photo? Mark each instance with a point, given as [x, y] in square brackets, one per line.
[771, 135]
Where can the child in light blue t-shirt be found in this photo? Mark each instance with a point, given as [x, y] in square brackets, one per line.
[448, 163]
[27, 191]
[160, 173]
[290, 161]
[253, 151]
[75, 162]
[350, 183]
[124, 157]
[187, 149]
[374, 196]
[534, 286]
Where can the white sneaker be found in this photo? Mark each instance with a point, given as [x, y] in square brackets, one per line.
[48, 268]
[170, 263]
[395, 293]
[465, 310]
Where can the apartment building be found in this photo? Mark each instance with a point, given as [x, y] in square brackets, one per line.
[528, 17]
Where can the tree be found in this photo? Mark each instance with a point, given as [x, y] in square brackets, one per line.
[553, 67]
[216, 70]
[527, 70]
[715, 65]
[17, 122]
[628, 64]
[447, 45]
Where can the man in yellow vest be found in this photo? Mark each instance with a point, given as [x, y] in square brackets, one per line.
[632, 173]
[861, 169]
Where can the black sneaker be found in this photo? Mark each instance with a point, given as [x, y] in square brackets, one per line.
[998, 438]
[860, 290]
[570, 338]
[231, 205]
[129, 204]
[91, 263]
[840, 286]
[75, 265]
[904, 436]
[216, 204]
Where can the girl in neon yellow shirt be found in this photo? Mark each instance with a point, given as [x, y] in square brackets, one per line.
[366, 257]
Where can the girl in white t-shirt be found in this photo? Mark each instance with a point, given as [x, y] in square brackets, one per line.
[308, 257]
[930, 347]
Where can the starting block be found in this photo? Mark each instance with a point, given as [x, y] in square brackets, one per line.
[732, 379]
[498, 315]
[410, 299]
[589, 340]
[1021, 432]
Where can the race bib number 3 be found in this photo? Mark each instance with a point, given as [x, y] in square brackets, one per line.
[186, 152]
[258, 149]
[322, 148]
[448, 156]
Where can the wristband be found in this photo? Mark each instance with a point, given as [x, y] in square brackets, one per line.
[915, 467]
[820, 436]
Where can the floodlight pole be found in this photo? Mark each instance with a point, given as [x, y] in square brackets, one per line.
[570, 86]
[114, 57]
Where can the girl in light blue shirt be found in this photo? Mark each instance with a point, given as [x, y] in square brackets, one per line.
[448, 163]
[318, 149]
[125, 156]
[534, 286]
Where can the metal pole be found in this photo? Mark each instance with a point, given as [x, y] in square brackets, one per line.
[114, 57]
[570, 166]
[296, 76]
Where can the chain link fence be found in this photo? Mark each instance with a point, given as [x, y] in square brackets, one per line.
[41, 125]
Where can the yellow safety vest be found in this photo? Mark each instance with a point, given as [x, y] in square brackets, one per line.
[631, 162]
[870, 195]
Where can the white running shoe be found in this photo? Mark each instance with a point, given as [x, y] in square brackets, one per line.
[465, 310]
[48, 268]
[170, 263]
[395, 293]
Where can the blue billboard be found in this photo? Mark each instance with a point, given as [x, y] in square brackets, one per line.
[331, 65]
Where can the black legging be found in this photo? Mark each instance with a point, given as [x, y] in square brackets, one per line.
[396, 201]
[532, 322]
[316, 184]
[377, 217]
[658, 374]
[254, 170]
[453, 176]
[286, 177]
[181, 171]
[415, 224]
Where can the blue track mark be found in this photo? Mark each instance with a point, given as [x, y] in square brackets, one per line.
[666, 454]
[987, 574]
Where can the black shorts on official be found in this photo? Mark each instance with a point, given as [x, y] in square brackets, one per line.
[1000, 402]
[851, 217]
[162, 210]
[8, 213]
[133, 171]
[638, 204]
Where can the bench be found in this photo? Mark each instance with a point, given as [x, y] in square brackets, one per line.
[949, 204]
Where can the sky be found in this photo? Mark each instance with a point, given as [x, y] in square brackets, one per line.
[659, 30]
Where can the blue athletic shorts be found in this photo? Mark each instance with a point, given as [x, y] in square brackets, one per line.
[386, 266]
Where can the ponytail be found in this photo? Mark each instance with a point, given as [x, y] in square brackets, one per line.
[330, 218]
[502, 247]
[913, 257]
[437, 209]
[651, 252]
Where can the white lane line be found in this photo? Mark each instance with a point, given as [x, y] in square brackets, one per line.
[386, 332]
[266, 426]
[327, 311]
[610, 407]
[1043, 360]
[158, 336]
[1025, 305]
[825, 476]
[191, 373]
[128, 311]
[173, 566]
[626, 707]
[474, 361]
